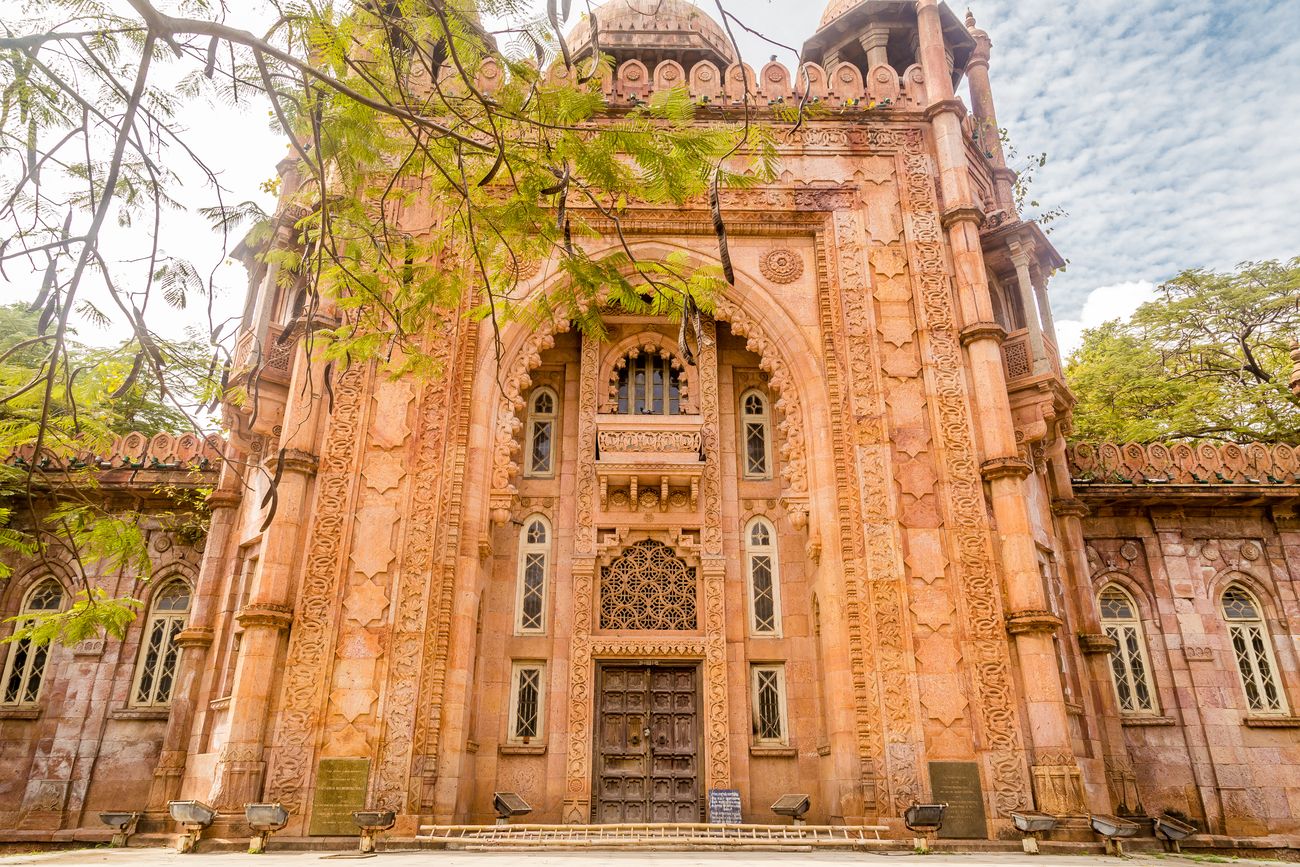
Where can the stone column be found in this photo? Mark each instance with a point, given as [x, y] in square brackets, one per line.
[1021, 255]
[1095, 644]
[876, 42]
[196, 638]
[986, 118]
[1028, 617]
[241, 766]
[1045, 307]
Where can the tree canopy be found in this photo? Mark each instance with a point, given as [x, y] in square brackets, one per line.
[1209, 358]
[478, 106]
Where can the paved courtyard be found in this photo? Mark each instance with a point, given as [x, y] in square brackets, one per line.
[159, 857]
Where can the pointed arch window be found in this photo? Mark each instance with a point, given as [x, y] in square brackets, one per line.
[1253, 649]
[764, 585]
[756, 434]
[534, 569]
[24, 673]
[155, 671]
[1128, 660]
[649, 383]
[543, 423]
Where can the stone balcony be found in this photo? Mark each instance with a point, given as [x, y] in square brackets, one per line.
[649, 461]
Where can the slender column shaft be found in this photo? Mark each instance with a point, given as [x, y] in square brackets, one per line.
[1033, 320]
[1041, 689]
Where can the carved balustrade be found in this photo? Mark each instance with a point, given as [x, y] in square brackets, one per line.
[1185, 464]
[136, 451]
[1018, 356]
[649, 461]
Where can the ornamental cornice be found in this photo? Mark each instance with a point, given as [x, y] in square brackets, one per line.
[1005, 468]
[983, 331]
[1096, 642]
[1032, 620]
[265, 614]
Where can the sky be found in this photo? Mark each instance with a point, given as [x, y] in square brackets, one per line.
[1171, 128]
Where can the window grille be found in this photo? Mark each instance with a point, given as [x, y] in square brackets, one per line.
[155, 672]
[543, 416]
[769, 704]
[648, 587]
[1253, 649]
[756, 435]
[764, 593]
[526, 702]
[649, 383]
[1128, 661]
[25, 667]
[534, 562]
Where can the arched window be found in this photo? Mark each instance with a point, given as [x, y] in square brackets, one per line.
[25, 667]
[761, 569]
[756, 435]
[534, 566]
[155, 672]
[649, 383]
[1253, 649]
[543, 415]
[1128, 661]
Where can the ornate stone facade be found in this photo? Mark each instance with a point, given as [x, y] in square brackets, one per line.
[850, 531]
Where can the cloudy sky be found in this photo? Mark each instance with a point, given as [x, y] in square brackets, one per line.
[1172, 129]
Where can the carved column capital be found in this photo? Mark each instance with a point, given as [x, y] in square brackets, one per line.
[983, 331]
[1032, 620]
[220, 499]
[265, 614]
[296, 460]
[1005, 468]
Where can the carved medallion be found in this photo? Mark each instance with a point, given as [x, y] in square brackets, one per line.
[781, 265]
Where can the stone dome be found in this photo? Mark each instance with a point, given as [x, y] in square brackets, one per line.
[655, 30]
[835, 9]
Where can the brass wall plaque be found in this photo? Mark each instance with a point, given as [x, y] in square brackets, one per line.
[957, 784]
[340, 790]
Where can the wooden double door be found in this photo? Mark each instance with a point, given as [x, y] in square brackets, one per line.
[647, 744]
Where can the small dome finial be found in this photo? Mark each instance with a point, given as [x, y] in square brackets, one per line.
[970, 19]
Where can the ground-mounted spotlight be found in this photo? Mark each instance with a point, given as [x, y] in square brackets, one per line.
[193, 817]
[794, 806]
[508, 805]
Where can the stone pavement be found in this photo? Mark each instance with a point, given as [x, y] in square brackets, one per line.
[160, 857]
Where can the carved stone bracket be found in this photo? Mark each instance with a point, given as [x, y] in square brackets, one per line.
[1070, 508]
[982, 331]
[1096, 642]
[1005, 468]
[1024, 622]
[962, 214]
[194, 636]
[956, 106]
[265, 614]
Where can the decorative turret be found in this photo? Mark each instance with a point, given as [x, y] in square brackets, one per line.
[871, 34]
[987, 133]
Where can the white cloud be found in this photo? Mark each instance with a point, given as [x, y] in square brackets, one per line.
[1103, 304]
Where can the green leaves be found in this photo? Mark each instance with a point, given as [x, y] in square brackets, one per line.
[93, 613]
[1208, 359]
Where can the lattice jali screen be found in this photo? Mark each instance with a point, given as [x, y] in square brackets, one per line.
[648, 587]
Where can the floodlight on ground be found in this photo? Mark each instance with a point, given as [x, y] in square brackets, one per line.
[1113, 829]
[508, 805]
[793, 805]
[924, 819]
[122, 822]
[1172, 832]
[1031, 824]
[264, 819]
[371, 822]
[193, 817]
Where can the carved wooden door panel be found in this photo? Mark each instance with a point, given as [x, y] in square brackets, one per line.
[647, 752]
